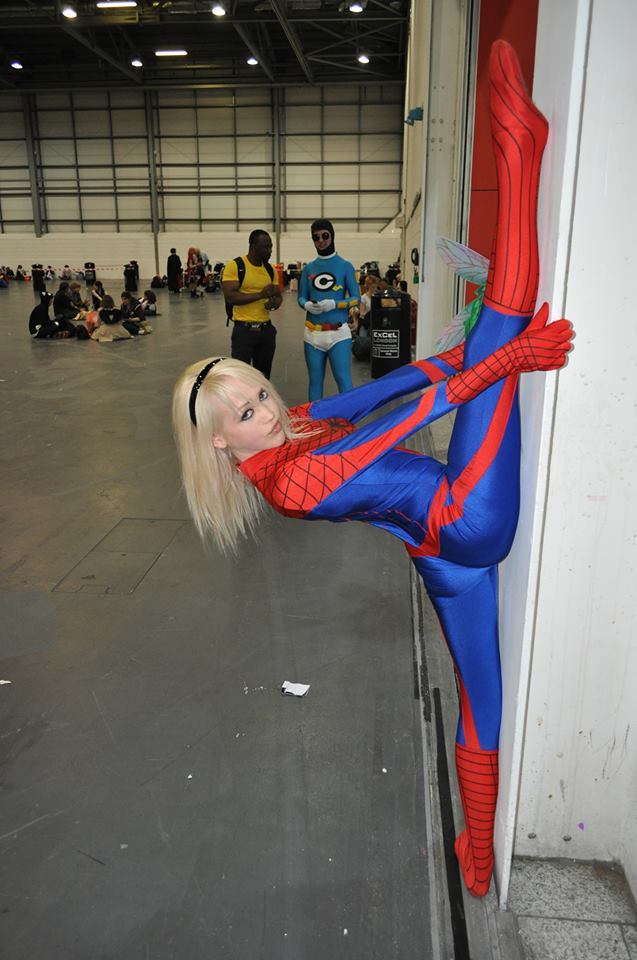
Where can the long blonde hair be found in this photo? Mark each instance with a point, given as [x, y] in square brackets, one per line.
[223, 503]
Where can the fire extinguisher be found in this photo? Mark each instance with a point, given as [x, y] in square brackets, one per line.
[415, 259]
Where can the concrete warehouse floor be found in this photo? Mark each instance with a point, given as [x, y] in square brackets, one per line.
[160, 798]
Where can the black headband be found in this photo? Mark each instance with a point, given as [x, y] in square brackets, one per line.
[201, 376]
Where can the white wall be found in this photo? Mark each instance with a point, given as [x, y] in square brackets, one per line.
[110, 251]
[569, 600]
[443, 89]
[414, 137]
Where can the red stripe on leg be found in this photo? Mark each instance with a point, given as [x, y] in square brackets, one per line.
[441, 515]
[468, 724]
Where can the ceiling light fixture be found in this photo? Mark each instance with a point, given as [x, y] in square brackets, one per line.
[171, 53]
[136, 62]
[252, 61]
[219, 10]
[363, 58]
[69, 12]
[356, 8]
[16, 64]
[114, 4]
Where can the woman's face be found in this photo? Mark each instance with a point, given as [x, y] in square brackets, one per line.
[251, 424]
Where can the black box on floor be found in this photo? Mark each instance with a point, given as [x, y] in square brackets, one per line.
[390, 331]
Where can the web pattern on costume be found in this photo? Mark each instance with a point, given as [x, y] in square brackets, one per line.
[296, 491]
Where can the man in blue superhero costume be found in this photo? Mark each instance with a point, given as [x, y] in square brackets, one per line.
[327, 290]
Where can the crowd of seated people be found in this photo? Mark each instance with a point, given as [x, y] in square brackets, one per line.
[44, 274]
[7, 274]
[72, 316]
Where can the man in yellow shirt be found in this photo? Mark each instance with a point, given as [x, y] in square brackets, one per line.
[248, 288]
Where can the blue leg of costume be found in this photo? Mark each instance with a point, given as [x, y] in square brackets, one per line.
[340, 357]
[315, 360]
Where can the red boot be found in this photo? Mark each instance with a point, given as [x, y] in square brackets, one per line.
[478, 782]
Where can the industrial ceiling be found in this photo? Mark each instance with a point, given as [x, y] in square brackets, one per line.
[295, 42]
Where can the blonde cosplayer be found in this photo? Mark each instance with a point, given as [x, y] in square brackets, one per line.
[224, 504]
[457, 520]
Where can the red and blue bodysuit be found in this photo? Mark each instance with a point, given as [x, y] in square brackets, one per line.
[458, 519]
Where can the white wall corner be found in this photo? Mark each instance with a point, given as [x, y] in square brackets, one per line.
[574, 635]
[558, 85]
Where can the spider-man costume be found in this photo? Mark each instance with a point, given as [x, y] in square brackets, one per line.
[457, 520]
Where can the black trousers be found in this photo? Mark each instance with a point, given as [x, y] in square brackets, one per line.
[254, 344]
[51, 328]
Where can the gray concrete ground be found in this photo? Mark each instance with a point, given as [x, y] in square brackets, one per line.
[159, 797]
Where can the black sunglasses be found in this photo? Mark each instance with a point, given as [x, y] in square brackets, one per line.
[321, 236]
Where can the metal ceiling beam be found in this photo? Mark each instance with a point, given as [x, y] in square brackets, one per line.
[80, 38]
[353, 40]
[265, 66]
[385, 6]
[22, 22]
[371, 75]
[328, 30]
[293, 39]
[211, 85]
[102, 54]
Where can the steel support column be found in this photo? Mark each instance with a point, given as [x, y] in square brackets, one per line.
[152, 174]
[27, 111]
[276, 160]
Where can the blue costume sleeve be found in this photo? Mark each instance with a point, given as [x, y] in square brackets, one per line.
[363, 400]
[304, 291]
[353, 295]
[369, 442]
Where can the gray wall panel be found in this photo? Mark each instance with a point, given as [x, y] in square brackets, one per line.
[213, 157]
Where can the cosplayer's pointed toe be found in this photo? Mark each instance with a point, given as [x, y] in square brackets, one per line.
[519, 133]
[510, 100]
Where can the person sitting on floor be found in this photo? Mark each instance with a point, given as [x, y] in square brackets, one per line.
[133, 317]
[373, 285]
[108, 312]
[148, 303]
[109, 325]
[20, 274]
[41, 327]
[63, 306]
[76, 297]
[97, 294]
